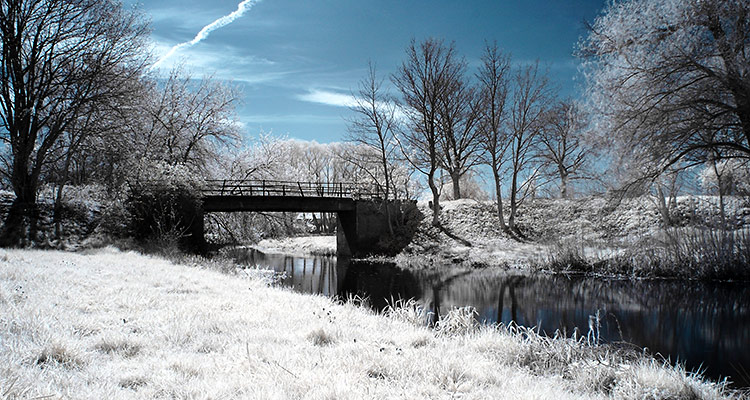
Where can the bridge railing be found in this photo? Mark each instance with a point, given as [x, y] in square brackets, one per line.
[230, 187]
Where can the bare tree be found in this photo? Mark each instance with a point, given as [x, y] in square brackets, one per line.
[374, 126]
[531, 98]
[669, 79]
[561, 142]
[493, 91]
[421, 79]
[458, 113]
[58, 57]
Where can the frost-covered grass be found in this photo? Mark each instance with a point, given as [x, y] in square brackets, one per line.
[116, 325]
[583, 235]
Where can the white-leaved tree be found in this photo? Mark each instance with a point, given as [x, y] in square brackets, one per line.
[458, 114]
[373, 127]
[422, 79]
[670, 80]
[531, 97]
[562, 144]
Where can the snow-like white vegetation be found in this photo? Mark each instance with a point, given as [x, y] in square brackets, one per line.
[302, 245]
[119, 325]
[589, 223]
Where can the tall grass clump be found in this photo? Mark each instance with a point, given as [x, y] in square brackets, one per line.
[581, 361]
[707, 253]
[458, 321]
[568, 257]
[710, 253]
[407, 310]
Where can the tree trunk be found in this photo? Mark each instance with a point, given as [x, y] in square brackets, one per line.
[456, 180]
[513, 201]
[21, 222]
[661, 204]
[720, 185]
[385, 196]
[435, 199]
[57, 213]
[563, 185]
[722, 211]
[499, 194]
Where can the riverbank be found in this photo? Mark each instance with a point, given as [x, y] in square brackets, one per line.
[112, 324]
[574, 236]
[588, 236]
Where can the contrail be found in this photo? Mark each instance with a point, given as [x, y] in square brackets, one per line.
[223, 21]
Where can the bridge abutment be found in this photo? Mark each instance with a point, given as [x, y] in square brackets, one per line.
[347, 243]
[364, 231]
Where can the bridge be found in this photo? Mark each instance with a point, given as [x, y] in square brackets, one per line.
[362, 221]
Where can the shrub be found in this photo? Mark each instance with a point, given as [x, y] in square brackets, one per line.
[406, 218]
[165, 211]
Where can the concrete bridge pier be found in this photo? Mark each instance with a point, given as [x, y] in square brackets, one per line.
[347, 245]
[364, 230]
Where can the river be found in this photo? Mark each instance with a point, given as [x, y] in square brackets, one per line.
[705, 325]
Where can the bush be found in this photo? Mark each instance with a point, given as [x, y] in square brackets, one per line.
[166, 213]
[406, 218]
[167, 216]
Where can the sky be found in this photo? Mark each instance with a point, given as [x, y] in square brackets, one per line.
[298, 62]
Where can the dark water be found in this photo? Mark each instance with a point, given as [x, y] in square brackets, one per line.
[703, 325]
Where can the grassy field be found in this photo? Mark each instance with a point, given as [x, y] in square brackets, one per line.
[116, 325]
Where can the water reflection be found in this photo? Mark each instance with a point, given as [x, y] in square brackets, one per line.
[313, 274]
[705, 325]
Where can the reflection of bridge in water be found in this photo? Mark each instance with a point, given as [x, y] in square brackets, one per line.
[359, 207]
[309, 274]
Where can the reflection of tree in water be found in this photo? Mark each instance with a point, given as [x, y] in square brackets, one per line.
[701, 324]
[704, 324]
[379, 282]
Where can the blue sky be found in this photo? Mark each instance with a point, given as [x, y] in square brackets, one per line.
[297, 61]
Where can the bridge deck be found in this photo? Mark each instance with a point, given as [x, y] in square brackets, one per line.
[361, 224]
[234, 203]
[278, 196]
[271, 188]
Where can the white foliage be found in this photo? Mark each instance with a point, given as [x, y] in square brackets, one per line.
[667, 77]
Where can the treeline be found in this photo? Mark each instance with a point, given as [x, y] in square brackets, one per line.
[665, 111]
[665, 108]
[446, 120]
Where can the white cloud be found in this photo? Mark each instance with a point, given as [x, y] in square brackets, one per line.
[291, 118]
[224, 64]
[328, 98]
[346, 100]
